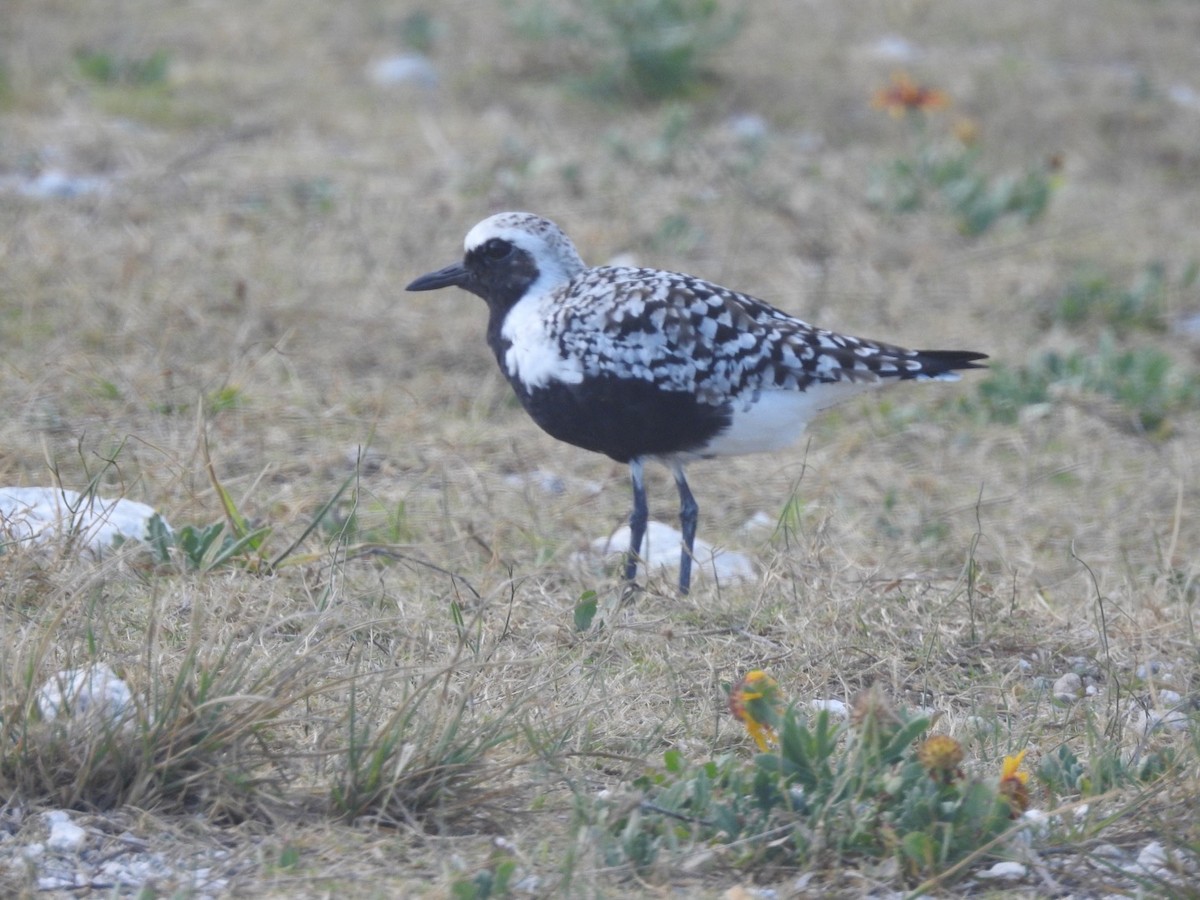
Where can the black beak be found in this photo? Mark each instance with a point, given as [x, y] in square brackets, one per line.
[454, 275]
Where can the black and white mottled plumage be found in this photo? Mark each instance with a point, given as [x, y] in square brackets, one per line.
[643, 363]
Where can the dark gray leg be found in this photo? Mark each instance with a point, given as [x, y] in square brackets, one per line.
[638, 519]
[689, 513]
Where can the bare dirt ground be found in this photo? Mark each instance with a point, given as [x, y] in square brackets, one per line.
[233, 279]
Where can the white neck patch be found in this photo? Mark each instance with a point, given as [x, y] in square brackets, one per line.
[534, 357]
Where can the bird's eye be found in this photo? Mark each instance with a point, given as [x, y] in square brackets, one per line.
[496, 249]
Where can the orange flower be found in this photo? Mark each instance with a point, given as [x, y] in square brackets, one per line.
[904, 96]
[941, 755]
[1014, 784]
[754, 701]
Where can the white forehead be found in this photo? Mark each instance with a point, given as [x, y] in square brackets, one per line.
[523, 230]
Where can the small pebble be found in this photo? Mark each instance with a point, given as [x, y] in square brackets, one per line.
[836, 708]
[1184, 95]
[760, 521]
[1004, 871]
[660, 550]
[55, 184]
[91, 690]
[65, 835]
[893, 48]
[980, 725]
[1154, 667]
[1174, 719]
[1108, 851]
[1068, 688]
[404, 68]
[1153, 856]
[1038, 821]
[748, 127]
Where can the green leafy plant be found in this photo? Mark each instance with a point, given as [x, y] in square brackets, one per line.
[1066, 776]
[103, 67]
[1093, 296]
[585, 611]
[821, 793]
[419, 31]
[947, 172]
[365, 523]
[493, 881]
[1143, 381]
[235, 541]
[644, 49]
[949, 175]
[6, 88]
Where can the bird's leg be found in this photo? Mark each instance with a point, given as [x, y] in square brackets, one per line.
[689, 512]
[638, 519]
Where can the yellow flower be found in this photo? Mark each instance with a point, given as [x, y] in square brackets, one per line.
[1014, 784]
[966, 132]
[904, 96]
[1011, 768]
[941, 755]
[755, 702]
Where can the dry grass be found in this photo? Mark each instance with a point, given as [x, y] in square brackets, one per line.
[240, 284]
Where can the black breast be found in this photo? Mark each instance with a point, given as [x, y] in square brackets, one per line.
[622, 417]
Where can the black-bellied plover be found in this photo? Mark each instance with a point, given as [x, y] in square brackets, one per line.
[645, 364]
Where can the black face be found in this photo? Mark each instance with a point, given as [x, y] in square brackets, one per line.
[497, 270]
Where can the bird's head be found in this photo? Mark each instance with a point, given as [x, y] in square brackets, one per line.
[507, 256]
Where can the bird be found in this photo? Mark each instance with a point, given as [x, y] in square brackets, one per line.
[647, 364]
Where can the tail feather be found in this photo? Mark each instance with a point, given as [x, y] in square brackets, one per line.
[942, 364]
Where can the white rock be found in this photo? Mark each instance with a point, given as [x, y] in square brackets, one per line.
[979, 725]
[1188, 326]
[552, 483]
[1174, 719]
[92, 691]
[1169, 698]
[1108, 851]
[404, 68]
[58, 882]
[1154, 667]
[65, 835]
[1004, 871]
[1184, 95]
[51, 184]
[1037, 820]
[835, 708]
[1138, 721]
[893, 48]
[50, 514]
[1153, 857]
[760, 521]
[747, 127]
[1068, 688]
[660, 551]
[530, 884]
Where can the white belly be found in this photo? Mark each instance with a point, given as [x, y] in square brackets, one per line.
[778, 419]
